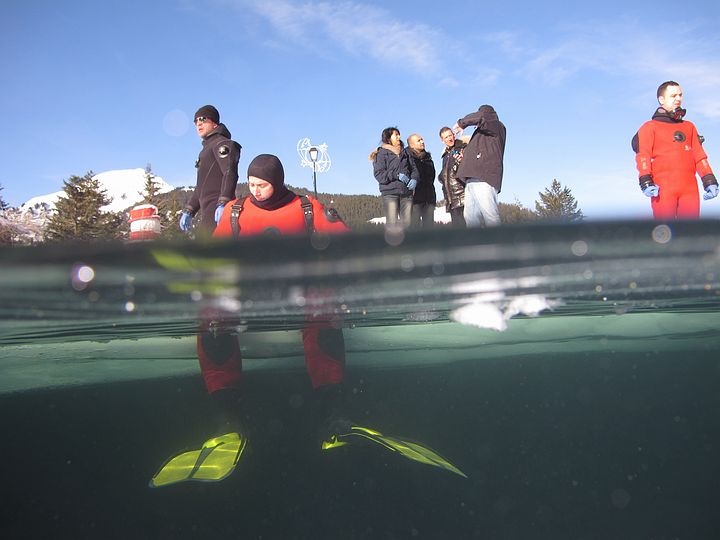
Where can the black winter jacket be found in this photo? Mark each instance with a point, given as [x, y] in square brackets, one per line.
[453, 187]
[217, 175]
[483, 157]
[387, 165]
[425, 190]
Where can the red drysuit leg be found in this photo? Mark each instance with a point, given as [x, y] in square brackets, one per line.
[677, 199]
[219, 355]
[324, 353]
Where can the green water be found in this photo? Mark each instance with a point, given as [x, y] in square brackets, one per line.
[595, 417]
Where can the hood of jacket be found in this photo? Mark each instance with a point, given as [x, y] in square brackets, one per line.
[394, 149]
[488, 112]
[220, 130]
[662, 115]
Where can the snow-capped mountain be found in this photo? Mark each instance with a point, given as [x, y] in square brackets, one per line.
[123, 187]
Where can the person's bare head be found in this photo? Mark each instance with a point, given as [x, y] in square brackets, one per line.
[670, 96]
[416, 142]
[447, 136]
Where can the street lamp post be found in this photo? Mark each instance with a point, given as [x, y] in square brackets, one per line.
[313, 153]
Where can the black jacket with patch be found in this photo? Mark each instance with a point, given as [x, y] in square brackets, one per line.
[217, 175]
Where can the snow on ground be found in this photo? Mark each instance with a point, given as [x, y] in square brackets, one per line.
[441, 216]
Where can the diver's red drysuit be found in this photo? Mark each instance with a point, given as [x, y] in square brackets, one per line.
[669, 154]
[323, 342]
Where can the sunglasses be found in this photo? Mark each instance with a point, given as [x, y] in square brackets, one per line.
[201, 119]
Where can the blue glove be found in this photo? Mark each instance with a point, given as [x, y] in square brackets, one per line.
[185, 222]
[710, 192]
[651, 190]
[403, 178]
[412, 184]
[218, 213]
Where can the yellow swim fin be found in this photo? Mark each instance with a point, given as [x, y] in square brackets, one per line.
[213, 462]
[409, 449]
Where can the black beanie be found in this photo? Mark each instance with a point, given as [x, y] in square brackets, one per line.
[208, 111]
[267, 167]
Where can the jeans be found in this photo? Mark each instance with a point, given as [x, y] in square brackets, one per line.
[398, 210]
[456, 217]
[481, 208]
[423, 215]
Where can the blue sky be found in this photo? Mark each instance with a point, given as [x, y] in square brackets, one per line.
[112, 85]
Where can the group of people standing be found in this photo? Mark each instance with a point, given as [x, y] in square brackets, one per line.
[669, 155]
[470, 175]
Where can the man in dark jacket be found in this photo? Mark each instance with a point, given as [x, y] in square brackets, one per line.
[453, 188]
[217, 171]
[482, 166]
[424, 197]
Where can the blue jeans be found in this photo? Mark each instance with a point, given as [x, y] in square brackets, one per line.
[398, 210]
[481, 207]
[423, 215]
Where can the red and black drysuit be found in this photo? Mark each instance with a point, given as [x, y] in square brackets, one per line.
[323, 342]
[668, 154]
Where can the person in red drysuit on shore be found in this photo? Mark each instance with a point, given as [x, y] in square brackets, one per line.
[669, 154]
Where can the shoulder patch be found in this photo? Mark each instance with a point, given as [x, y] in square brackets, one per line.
[271, 231]
[332, 215]
[223, 150]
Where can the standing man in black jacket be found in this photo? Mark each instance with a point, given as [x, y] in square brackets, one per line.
[423, 209]
[453, 188]
[482, 166]
[217, 171]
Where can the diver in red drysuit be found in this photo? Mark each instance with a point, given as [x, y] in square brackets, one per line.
[271, 207]
[669, 154]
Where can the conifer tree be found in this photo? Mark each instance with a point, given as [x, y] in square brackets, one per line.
[6, 231]
[557, 203]
[169, 208]
[3, 204]
[151, 189]
[169, 219]
[77, 214]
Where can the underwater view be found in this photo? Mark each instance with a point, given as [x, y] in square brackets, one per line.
[541, 381]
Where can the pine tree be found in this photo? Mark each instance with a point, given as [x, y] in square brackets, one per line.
[168, 211]
[151, 189]
[3, 204]
[169, 219]
[558, 204]
[78, 216]
[6, 231]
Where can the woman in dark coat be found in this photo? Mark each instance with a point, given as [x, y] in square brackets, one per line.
[397, 176]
